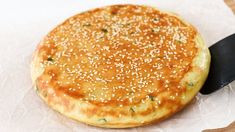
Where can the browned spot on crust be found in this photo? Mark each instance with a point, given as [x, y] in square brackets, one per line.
[73, 93]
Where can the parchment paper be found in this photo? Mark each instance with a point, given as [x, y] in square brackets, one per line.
[24, 23]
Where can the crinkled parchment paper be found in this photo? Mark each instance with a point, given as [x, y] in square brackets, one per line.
[23, 23]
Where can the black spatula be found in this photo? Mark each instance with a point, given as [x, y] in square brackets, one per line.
[222, 69]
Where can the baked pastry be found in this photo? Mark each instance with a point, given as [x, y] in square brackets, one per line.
[120, 66]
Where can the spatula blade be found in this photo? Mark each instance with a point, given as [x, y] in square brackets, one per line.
[222, 69]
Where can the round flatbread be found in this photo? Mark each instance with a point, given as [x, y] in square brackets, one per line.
[120, 66]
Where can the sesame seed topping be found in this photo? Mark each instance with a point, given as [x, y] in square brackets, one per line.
[119, 57]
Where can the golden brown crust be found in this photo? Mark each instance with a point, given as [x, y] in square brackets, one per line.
[120, 66]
